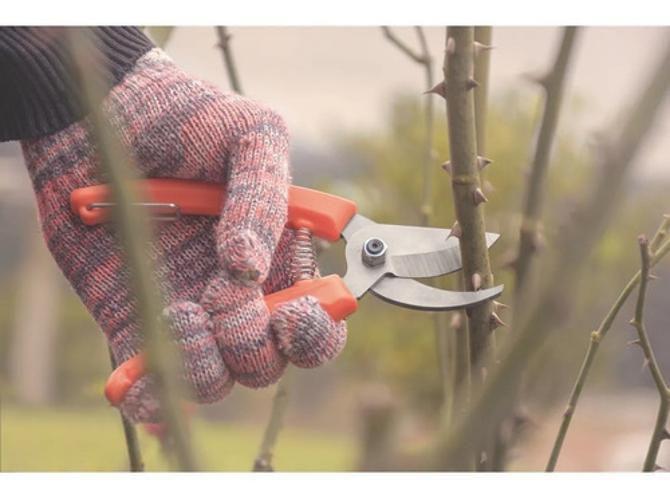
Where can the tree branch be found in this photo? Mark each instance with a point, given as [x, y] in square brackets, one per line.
[553, 84]
[130, 434]
[597, 337]
[228, 59]
[161, 355]
[414, 56]
[660, 432]
[464, 169]
[263, 461]
[483, 38]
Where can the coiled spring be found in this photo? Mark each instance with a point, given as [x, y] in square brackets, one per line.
[303, 266]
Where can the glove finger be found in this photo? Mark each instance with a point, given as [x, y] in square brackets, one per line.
[281, 270]
[204, 370]
[245, 256]
[241, 326]
[306, 334]
[140, 404]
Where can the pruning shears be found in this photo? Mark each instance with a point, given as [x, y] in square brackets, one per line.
[384, 259]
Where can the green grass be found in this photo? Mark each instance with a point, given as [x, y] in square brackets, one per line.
[92, 440]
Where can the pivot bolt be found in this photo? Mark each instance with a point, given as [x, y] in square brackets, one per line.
[374, 251]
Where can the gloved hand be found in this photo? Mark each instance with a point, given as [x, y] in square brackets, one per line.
[212, 272]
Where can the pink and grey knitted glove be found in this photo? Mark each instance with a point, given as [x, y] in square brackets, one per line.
[212, 272]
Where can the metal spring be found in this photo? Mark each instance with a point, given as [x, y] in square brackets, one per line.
[303, 266]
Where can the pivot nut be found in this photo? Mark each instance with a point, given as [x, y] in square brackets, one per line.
[374, 251]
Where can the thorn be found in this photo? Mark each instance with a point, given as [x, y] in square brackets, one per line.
[658, 468]
[633, 342]
[456, 230]
[632, 322]
[480, 47]
[451, 46]
[447, 167]
[651, 276]
[471, 83]
[456, 320]
[569, 411]
[665, 435]
[500, 306]
[482, 162]
[476, 281]
[479, 197]
[596, 337]
[495, 321]
[536, 78]
[440, 89]
[645, 363]
[539, 242]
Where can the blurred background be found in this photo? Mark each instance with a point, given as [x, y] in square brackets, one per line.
[354, 106]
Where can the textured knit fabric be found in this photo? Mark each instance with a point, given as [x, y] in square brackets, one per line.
[212, 271]
[39, 92]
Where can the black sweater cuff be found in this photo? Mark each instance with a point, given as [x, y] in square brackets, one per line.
[39, 91]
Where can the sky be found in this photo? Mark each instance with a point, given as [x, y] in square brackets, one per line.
[329, 78]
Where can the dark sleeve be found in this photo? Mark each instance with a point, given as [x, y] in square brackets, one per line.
[39, 91]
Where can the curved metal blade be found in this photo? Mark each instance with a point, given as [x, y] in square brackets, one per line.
[409, 293]
[442, 259]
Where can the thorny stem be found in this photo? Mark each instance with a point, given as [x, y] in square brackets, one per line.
[595, 340]
[492, 402]
[465, 181]
[659, 433]
[263, 461]
[130, 435]
[459, 84]
[162, 358]
[228, 59]
[552, 84]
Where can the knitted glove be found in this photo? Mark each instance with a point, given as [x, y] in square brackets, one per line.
[211, 271]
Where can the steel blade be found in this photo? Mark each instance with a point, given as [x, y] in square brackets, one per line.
[409, 293]
[440, 261]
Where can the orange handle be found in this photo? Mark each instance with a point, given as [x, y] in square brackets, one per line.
[325, 215]
[331, 291]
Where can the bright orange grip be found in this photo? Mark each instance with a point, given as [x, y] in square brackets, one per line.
[331, 292]
[325, 215]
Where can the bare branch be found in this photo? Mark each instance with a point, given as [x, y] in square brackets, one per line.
[263, 461]
[404, 48]
[595, 340]
[228, 60]
[483, 37]
[161, 354]
[553, 85]
[597, 336]
[130, 434]
[659, 433]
